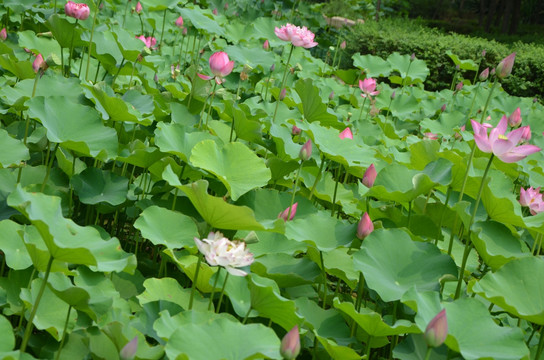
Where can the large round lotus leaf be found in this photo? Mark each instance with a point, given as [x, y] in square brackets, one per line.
[15, 254]
[516, 287]
[234, 164]
[176, 139]
[496, 244]
[94, 186]
[373, 66]
[166, 227]
[392, 263]
[12, 151]
[312, 106]
[223, 339]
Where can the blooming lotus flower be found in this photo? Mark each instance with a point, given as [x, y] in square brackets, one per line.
[346, 134]
[505, 147]
[532, 198]
[78, 11]
[129, 350]
[505, 66]
[369, 176]
[514, 120]
[305, 151]
[220, 251]
[365, 227]
[39, 64]
[484, 74]
[179, 22]
[149, 41]
[266, 45]
[220, 65]
[437, 330]
[138, 8]
[368, 87]
[290, 344]
[283, 215]
[3, 34]
[296, 35]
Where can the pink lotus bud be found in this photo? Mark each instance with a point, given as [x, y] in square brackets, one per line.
[457, 67]
[483, 53]
[296, 130]
[459, 86]
[266, 45]
[214, 11]
[290, 344]
[331, 95]
[526, 134]
[393, 94]
[78, 11]
[413, 57]
[437, 330]
[283, 92]
[138, 8]
[443, 108]
[184, 32]
[505, 66]
[343, 45]
[514, 120]
[430, 136]
[273, 67]
[179, 22]
[285, 213]
[484, 74]
[39, 64]
[129, 350]
[458, 135]
[369, 176]
[3, 34]
[226, 7]
[346, 134]
[220, 64]
[156, 78]
[492, 72]
[305, 151]
[365, 227]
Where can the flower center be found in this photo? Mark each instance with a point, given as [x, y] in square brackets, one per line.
[503, 137]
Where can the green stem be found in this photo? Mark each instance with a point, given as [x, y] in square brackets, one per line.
[211, 103]
[223, 293]
[317, 177]
[428, 353]
[71, 49]
[468, 245]
[540, 343]
[247, 316]
[193, 286]
[125, 15]
[283, 82]
[141, 24]
[118, 71]
[64, 333]
[409, 213]
[49, 165]
[91, 41]
[29, 325]
[213, 288]
[294, 191]
[362, 107]
[448, 193]
[324, 273]
[335, 191]
[162, 31]
[368, 347]
[267, 85]
[27, 122]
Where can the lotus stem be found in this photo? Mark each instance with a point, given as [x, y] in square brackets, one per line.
[162, 31]
[213, 288]
[193, 286]
[91, 40]
[362, 107]
[317, 177]
[222, 293]
[294, 190]
[71, 49]
[49, 165]
[324, 272]
[283, 82]
[64, 333]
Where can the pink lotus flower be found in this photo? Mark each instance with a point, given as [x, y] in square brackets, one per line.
[531, 198]
[369, 176]
[437, 330]
[138, 8]
[266, 45]
[368, 87]
[430, 136]
[220, 251]
[78, 11]
[365, 227]
[346, 134]
[514, 120]
[505, 66]
[305, 151]
[296, 35]
[3, 34]
[149, 41]
[220, 65]
[179, 22]
[285, 213]
[505, 147]
[290, 344]
[39, 64]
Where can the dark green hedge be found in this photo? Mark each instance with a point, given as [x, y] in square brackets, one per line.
[408, 36]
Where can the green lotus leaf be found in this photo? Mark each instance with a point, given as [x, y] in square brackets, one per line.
[94, 186]
[12, 151]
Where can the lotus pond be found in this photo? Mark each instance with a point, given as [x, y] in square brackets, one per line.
[204, 181]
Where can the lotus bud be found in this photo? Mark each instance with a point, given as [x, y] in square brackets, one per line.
[226, 7]
[39, 64]
[138, 8]
[492, 72]
[273, 67]
[443, 108]
[331, 95]
[393, 94]
[296, 130]
[526, 134]
[457, 67]
[346, 134]
[514, 120]
[437, 330]
[129, 350]
[179, 22]
[305, 151]
[290, 344]
[343, 45]
[289, 213]
[3, 34]
[369, 176]
[413, 57]
[459, 86]
[214, 11]
[505, 66]
[156, 78]
[184, 32]
[484, 74]
[365, 227]
[483, 53]
[283, 92]
[266, 45]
